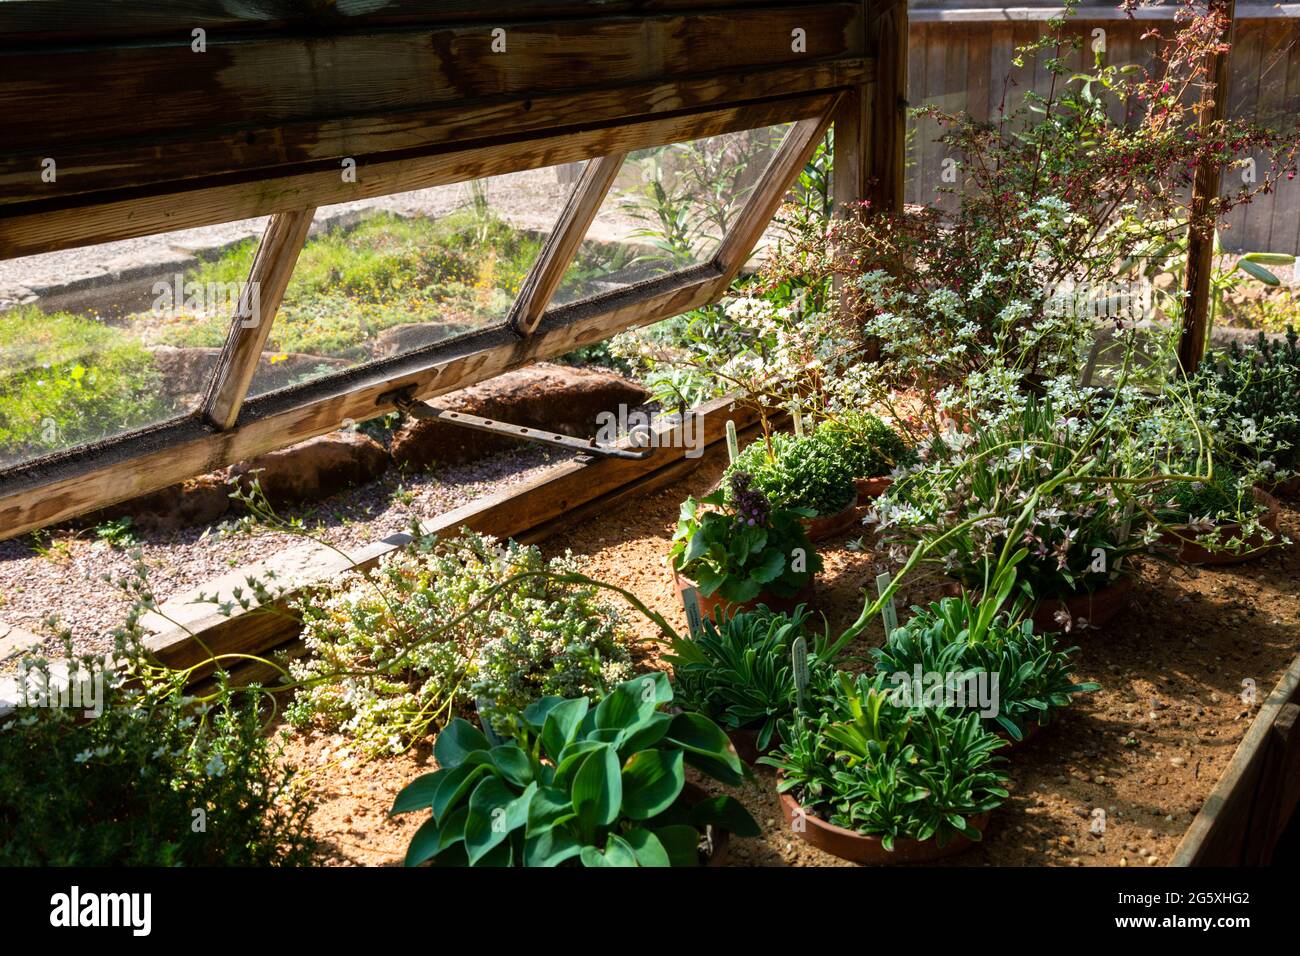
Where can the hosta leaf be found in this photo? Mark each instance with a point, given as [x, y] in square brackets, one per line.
[707, 747]
[494, 811]
[571, 759]
[630, 703]
[457, 740]
[681, 842]
[550, 848]
[424, 844]
[561, 726]
[617, 853]
[647, 734]
[456, 786]
[549, 808]
[652, 781]
[513, 764]
[535, 713]
[598, 788]
[418, 794]
[649, 851]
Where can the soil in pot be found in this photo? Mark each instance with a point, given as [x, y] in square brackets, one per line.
[1179, 540]
[710, 604]
[860, 848]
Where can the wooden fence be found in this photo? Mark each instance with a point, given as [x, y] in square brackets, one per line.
[959, 59]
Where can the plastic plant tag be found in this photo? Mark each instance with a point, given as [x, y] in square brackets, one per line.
[733, 444]
[799, 661]
[694, 618]
[889, 613]
[798, 420]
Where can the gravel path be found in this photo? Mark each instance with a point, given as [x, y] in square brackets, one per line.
[65, 576]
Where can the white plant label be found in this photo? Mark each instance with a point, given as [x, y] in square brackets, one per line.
[889, 613]
[691, 601]
[799, 662]
[733, 443]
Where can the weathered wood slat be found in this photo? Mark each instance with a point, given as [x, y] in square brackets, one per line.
[259, 300]
[249, 104]
[563, 242]
[25, 231]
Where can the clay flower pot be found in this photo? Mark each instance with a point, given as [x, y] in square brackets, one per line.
[859, 848]
[1098, 607]
[708, 605]
[745, 740]
[869, 489]
[1287, 489]
[827, 526]
[719, 840]
[1176, 540]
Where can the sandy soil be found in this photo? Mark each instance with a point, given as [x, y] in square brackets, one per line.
[1147, 748]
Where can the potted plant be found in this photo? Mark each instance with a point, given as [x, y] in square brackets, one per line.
[870, 449]
[596, 786]
[806, 473]
[738, 670]
[1013, 678]
[738, 556]
[869, 781]
[1226, 520]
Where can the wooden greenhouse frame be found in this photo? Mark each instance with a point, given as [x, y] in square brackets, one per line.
[259, 122]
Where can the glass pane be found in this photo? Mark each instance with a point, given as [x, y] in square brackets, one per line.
[668, 209]
[387, 276]
[93, 340]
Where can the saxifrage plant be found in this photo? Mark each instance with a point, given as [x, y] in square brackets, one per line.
[797, 471]
[1029, 674]
[749, 549]
[738, 669]
[868, 765]
[599, 785]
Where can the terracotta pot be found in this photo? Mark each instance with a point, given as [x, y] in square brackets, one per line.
[710, 604]
[1098, 607]
[1031, 731]
[827, 526]
[869, 489]
[1287, 489]
[745, 740]
[1189, 552]
[854, 846]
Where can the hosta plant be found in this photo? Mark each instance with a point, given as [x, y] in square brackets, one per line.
[745, 549]
[738, 669]
[593, 784]
[869, 765]
[1010, 676]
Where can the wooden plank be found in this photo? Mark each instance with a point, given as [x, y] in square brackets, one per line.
[1285, 236]
[1278, 791]
[510, 512]
[561, 245]
[94, 476]
[1200, 247]
[1217, 834]
[886, 37]
[96, 20]
[259, 300]
[770, 191]
[296, 89]
[1270, 110]
[1247, 56]
[27, 231]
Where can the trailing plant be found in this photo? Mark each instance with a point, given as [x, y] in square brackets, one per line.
[1027, 674]
[868, 765]
[744, 550]
[797, 471]
[738, 669]
[600, 785]
[383, 668]
[156, 778]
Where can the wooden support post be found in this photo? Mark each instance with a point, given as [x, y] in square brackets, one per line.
[258, 302]
[570, 229]
[791, 157]
[885, 116]
[1205, 189]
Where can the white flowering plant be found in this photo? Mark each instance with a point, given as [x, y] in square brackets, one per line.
[385, 666]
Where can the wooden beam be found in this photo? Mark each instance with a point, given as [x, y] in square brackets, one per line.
[94, 476]
[512, 512]
[26, 231]
[246, 105]
[563, 242]
[887, 42]
[258, 302]
[1205, 189]
[793, 154]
